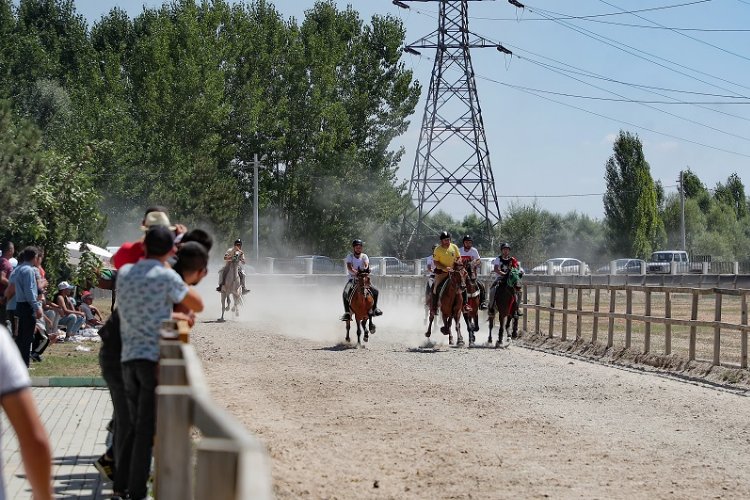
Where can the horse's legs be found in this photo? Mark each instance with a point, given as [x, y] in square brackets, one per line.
[460, 339]
[348, 327]
[364, 327]
[429, 326]
[499, 332]
[492, 324]
[359, 331]
[372, 325]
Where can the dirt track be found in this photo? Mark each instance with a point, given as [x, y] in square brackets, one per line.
[398, 421]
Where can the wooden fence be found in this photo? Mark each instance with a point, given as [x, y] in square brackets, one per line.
[226, 462]
[566, 300]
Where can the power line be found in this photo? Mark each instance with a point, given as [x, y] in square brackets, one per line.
[591, 16]
[680, 33]
[619, 46]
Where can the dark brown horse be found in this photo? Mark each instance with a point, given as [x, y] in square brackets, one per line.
[504, 304]
[472, 293]
[450, 305]
[360, 304]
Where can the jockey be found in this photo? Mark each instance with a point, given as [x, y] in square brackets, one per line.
[356, 261]
[445, 256]
[234, 253]
[502, 265]
[471, 260]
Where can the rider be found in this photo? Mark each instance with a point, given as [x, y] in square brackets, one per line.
[234, 253]
[356, 261]
[502, 265]
[445, 256]
[471, 259]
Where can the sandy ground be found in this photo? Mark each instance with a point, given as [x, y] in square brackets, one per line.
[398, 420]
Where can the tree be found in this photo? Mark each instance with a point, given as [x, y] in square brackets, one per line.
[733, 194]
[630, 202]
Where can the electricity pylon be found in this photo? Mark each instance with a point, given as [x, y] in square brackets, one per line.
[452, 156]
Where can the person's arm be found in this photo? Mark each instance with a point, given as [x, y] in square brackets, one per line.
[33, 441]
[62, 303]
[242, 256]
[3, 278]
[10, 291]
[193, 300]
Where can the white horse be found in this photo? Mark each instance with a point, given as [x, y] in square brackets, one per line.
[231, 288]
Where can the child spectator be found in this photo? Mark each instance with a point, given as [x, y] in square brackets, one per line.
[146, 294]
[93, 317]
[192, 266]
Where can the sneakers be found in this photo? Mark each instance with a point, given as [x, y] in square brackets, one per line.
[36, 356]
[346, 317]
[106, 467]
[377, 312]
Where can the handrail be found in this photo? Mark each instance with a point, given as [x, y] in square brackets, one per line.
[230, 463]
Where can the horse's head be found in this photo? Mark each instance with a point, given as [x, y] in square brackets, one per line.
[458, 271]
[363, 277]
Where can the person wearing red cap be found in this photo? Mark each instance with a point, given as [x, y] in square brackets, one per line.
[93, 316]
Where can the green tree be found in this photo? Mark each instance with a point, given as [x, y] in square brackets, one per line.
[633, 225]
[733, 194]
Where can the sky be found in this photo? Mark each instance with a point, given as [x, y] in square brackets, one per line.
[549, 147]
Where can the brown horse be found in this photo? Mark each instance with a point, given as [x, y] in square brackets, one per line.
[450, 304]
[360, 304]
[472, 294]
[503, 303]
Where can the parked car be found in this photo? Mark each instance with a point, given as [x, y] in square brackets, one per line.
[623, 266]
[562, 265]
[661, 261]
[393, 265]
[321, 264]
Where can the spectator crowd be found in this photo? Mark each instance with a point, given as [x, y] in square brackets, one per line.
[153, 282]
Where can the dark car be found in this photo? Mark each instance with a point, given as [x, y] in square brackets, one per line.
[393, 265]
[321, 264]
[623, 266]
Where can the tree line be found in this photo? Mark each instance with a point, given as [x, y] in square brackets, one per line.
[171, 107]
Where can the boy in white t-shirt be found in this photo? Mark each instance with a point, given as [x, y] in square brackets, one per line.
[356, 261]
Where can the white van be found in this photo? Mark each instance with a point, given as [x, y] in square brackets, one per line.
[661, 261]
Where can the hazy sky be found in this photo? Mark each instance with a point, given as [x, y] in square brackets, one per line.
[552, 148]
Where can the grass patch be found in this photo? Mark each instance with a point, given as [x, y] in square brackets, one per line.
[63, 360]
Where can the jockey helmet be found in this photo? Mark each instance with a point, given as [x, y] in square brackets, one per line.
[238, 242]
[445, 234]
[468, 238]
[357, 242]
[505, 245]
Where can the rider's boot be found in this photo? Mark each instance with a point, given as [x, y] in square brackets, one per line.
[347, 316]
[245, 290]
[375, 310]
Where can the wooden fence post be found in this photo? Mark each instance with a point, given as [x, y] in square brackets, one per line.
[595, 332]
[693, 328]
[667, 325]
[628, 322]
[552, 292]
[579, 308]
[526, 310]
[537, 301]
[173, 471]
[743, 316]
[717, 329]
[611, 330]
[647, 312]
[565, 314]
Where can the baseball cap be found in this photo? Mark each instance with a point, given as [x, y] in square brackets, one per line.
[86, 295]
[64, 285]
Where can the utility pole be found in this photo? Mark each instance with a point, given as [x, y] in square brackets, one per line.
[681, 183]
[452, 156]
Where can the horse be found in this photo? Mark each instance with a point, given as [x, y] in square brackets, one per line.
[428, 298]
[472, 294]
[504, 302]
[360, 304]
[231, 288]
[450, 304]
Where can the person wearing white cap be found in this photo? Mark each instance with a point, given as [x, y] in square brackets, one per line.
[70, 317]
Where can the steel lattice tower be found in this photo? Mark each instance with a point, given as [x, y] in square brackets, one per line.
[452, 154]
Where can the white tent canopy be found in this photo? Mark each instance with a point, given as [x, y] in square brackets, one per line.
[74, 249]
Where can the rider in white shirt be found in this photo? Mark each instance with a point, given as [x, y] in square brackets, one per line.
[233, 253]
[471, 259]
[356, 261]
